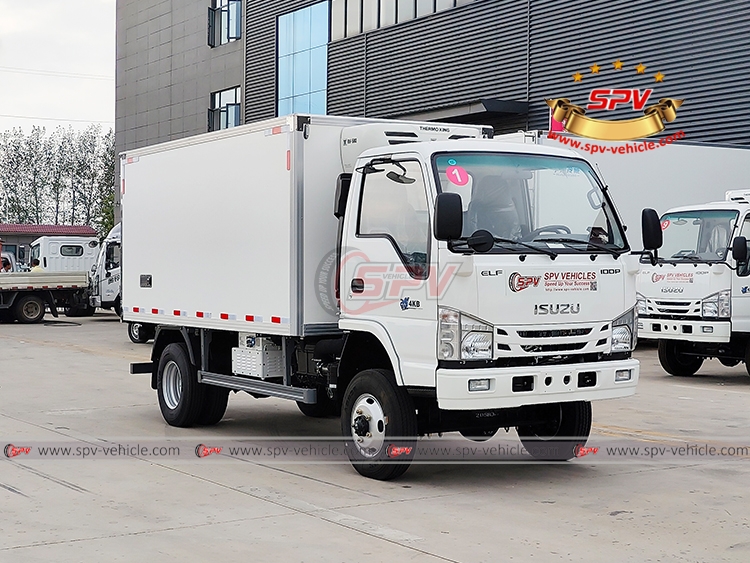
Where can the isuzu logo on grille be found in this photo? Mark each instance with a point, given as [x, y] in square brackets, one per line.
[518, 282]
[557, 309]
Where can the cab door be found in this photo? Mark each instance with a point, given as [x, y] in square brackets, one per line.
[741, 288]
[385, 264]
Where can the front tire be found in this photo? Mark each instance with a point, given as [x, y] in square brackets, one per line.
[379, 423]
[29, 309]
[181, 397]
[140, 333]
[675, 362]
[565, 429]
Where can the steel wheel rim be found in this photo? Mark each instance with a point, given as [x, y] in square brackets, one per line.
[368, 411]
[135, 330]
[171, 384]
[31, 309]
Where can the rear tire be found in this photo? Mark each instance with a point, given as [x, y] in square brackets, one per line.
[379, 424]
[728, 362]
[29, 309]
[214, 405]
[559, 437]
[181, 397]
[675, 362]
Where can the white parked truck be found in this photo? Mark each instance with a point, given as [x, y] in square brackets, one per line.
[65, 253]
[105, 273]
[460, 283]
[105, 284]
[696, 299]
[24, 296]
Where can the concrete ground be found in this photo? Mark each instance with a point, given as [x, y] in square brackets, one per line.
[62, 382]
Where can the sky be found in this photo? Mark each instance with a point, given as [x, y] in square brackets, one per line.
[57, 63]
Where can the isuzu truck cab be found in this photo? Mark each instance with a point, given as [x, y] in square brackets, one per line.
[460, 284]
[695, 299]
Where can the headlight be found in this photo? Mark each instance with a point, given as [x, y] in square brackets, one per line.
[623, 332]
[463, 337]
[718, 305]
[640, 305]
[448, 334]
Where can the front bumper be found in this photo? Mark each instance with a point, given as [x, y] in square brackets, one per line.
[693, 331]
[548, 385]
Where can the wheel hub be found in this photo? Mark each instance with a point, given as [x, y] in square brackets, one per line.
[171, 385]
[361, 426]
[368, 423]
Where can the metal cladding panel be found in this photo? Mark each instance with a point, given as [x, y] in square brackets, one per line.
[346, 76]
[700, 47]
[449, 58]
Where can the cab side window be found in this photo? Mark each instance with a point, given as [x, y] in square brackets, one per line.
[113, 257]
[394, 206]
[745, 232]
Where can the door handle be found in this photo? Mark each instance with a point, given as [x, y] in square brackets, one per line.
[358, 285]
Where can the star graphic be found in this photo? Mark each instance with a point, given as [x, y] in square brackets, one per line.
[659, 77]
[577, 77]
[594, 69]
[617, 64]
[640, 69]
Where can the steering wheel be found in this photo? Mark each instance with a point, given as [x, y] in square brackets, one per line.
[556, 229]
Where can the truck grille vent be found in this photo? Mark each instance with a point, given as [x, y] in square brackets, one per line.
[554, 333]
[553, 347]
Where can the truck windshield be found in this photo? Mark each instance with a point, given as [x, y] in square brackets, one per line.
[554, 203]
[697, 236]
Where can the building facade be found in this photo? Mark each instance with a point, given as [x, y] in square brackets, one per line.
[190, 66]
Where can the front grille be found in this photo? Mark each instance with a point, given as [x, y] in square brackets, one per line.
[674, 303]
[558, 333]
[536, 348]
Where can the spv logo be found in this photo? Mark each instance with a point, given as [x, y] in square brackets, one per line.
[517, 282]
[570, 117]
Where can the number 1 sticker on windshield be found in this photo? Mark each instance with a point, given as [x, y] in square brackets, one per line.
[457, 175]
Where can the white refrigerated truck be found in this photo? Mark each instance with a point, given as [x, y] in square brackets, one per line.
[696, 299]
[460, 283]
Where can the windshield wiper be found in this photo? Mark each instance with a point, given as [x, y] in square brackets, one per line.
[499, 240]
[546, 251]
[567, 241]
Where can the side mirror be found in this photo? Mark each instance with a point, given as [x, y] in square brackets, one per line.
[651, 230]
[342, 194]
[739, 250]
[449, 216]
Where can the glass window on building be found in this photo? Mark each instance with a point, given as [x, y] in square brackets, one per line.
[302, 60]
[224, 22]
[225, 109]
[352, 17]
